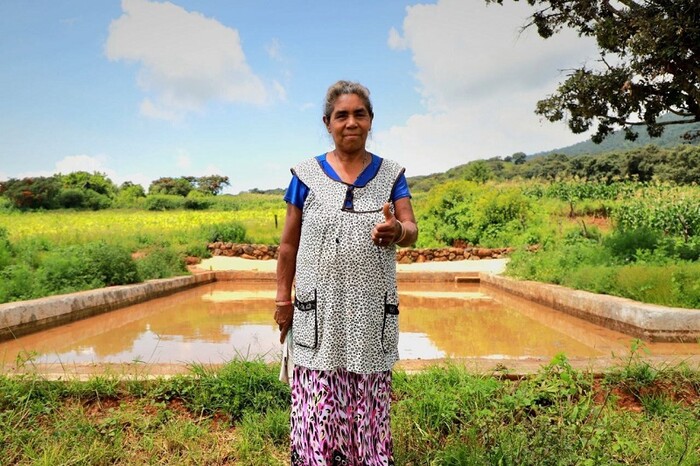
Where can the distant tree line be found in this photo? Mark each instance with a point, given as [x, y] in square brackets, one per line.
[83, 190]
[679, 165]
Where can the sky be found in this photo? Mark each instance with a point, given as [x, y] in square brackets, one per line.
[140, 89]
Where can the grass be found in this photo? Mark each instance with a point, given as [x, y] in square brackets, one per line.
[445, 415]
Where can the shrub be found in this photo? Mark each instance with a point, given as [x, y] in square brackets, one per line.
[75, 198]
[679, 249]
[625, 245]
[6, 205]
[65, 271]
[71, 198]
[111, 264]
[231, 232]
[84, 267]
[96, 201]
[555, 262]
[465, 211]
[197, 203]
[163, 202]
[161, 262]
[5, 248]
[16, 283]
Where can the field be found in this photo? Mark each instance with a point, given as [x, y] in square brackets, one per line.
[134, 228]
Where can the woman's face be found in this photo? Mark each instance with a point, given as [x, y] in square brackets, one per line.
[350, 123]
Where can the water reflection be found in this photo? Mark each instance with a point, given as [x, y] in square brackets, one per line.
[217, 322]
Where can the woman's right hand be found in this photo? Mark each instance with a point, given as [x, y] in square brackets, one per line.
[283, 316]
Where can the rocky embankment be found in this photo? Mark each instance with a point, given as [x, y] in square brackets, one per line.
[403, 256]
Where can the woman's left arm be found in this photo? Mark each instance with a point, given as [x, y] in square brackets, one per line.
[403, 211]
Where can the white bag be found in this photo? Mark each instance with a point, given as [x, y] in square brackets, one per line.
[287, 365]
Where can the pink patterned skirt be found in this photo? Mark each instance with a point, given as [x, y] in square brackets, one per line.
[340, 418]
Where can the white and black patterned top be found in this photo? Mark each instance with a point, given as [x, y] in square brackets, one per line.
[346, 303]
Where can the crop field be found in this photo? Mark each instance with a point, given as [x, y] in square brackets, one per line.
[133, 227]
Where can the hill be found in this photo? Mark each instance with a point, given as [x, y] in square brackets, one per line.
[615, 156]
[672, 137]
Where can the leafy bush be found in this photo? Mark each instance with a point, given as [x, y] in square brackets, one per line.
[5, 248]
[625, 245]
[555, 262]
[75, 198]
[71, 198]
[465, 211]
[197, 203]
[17, 283]
[6, 205]
[83, 267]
[679, 249]
[65, 271]
[96, 201]
[111, 264]
[164, 202]
[230, 232]
[161, 262]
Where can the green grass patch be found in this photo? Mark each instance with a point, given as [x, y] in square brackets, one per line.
[239, 414]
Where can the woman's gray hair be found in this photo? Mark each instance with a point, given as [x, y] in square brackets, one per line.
[342, 88]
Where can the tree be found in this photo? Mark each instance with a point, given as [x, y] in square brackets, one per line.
[210, 185]
[213, 184]
[478, 171]
[518, 158]
[655, 70]
[32, 193]
[98, 182]
[176, 186]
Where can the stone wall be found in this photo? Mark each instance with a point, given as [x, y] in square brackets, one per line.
[403, 256]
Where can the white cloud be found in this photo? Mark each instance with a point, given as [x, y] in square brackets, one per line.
[186, 59]
[395, 41]
[479, 84]
[72, 163]
[85, 163]
[159, 112]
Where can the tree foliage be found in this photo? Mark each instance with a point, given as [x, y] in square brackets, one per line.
[650, 65]
[32, 193]
[96, 181]
[210, 185]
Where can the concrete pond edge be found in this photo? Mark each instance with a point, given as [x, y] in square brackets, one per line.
[648, 322]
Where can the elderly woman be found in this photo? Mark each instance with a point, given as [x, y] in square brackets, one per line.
[347, 210]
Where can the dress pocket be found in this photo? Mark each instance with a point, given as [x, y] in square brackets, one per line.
[305, 323]
[390, 327]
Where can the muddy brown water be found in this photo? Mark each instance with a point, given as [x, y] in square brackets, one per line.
[224, 320]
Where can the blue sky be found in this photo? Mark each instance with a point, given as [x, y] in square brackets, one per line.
[142, 89]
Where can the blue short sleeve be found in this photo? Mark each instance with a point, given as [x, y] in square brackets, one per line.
[400, 189]
[296, 192]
